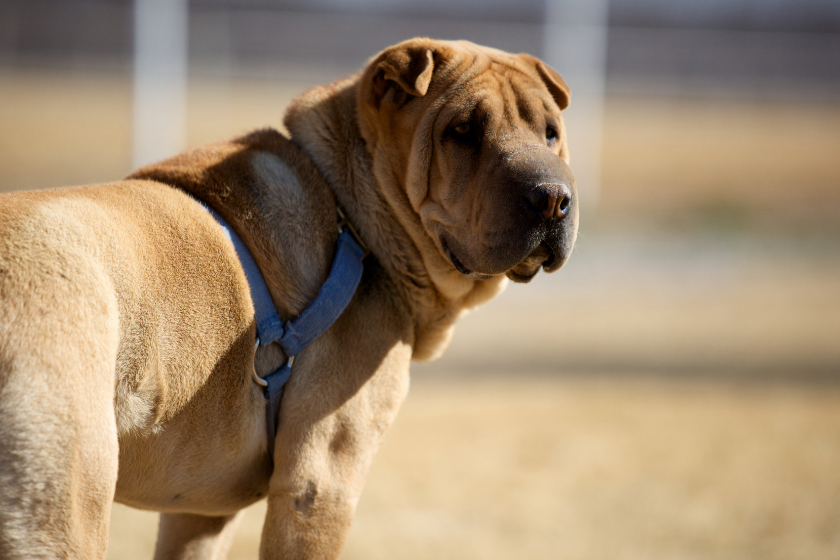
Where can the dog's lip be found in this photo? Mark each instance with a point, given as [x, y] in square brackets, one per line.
[459, 266]
[516, 277]
[553, 262]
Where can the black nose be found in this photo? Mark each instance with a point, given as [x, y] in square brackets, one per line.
[550, 200]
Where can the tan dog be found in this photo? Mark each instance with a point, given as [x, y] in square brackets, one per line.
[127, 334]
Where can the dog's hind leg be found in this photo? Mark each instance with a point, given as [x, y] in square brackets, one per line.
[58, 436]
[58, 468]
[184, 536]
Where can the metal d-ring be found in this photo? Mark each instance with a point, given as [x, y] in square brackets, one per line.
[257, 379]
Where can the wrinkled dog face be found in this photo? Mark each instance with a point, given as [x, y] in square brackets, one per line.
[485, 170]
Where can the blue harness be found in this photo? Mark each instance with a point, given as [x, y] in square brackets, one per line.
[295, 335]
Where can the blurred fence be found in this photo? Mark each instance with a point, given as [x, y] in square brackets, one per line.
[647, 51]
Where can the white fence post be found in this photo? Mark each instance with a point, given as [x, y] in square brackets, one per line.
[160, 79]
[575, 45]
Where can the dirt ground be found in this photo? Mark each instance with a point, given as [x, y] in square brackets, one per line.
[673, 393]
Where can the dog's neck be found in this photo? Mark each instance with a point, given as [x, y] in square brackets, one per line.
[324, 123]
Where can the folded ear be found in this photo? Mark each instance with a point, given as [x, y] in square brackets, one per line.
[410, 67]
[553, 81]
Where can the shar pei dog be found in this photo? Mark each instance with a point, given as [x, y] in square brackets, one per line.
[134, 362]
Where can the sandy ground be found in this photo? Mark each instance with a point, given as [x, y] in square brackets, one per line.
[674, 393]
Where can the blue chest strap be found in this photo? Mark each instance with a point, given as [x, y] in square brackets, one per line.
[295, 335]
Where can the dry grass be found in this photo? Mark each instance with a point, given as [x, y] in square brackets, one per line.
[721, 162]
[586, 469]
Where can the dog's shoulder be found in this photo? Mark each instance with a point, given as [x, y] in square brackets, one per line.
[225, 172]
[272, 194]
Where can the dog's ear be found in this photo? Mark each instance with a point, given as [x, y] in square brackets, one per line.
[553, 81]
[409, 67]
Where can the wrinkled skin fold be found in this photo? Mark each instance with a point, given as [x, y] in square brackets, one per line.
[489, 153]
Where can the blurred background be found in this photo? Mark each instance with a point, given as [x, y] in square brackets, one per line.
[673, 392]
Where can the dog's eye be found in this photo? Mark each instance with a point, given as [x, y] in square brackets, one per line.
[551, 135]
[466, 133]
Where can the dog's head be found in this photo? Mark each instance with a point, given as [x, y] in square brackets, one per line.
[472, 140]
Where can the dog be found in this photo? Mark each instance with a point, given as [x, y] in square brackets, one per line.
[128, 364]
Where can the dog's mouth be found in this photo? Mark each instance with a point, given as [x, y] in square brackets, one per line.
[542, 257]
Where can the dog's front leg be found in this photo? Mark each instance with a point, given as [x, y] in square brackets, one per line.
[335, 413]
[184, 536]
[319, 473]
[310, 507]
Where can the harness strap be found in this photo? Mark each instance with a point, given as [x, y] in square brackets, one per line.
[295, 335]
